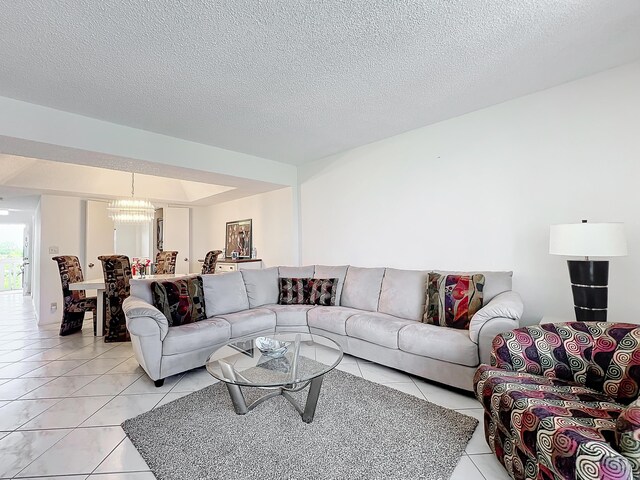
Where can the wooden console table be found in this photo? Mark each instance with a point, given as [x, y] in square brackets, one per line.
[229, 265]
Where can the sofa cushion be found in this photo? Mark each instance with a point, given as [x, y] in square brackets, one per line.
[494, 282]
[440, 343]
[339, 272]
[293, 291]
[296, 272]
[452, 300]
[262, 286]
[181, 300]
[362, 288]
[290, 315]
[193, 336]
[378, 328]
[224, 293]
[331, 319]
[250, 321]
[404, 293]
[322, 291]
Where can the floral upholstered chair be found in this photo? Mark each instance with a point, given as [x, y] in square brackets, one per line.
[561, 401]
[210, 260]
[76, 302]
[117, 273]
[166, 262]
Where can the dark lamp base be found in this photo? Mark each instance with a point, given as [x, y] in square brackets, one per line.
[589, 284]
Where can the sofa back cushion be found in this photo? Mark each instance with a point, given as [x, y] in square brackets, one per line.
[339, 272]
[403, 293]
[181, 300]
[262, 286]
[296, 272]
[494, 282]
[224, 293]
[362, 288]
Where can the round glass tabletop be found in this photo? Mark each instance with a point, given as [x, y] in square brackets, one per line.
[307, 356]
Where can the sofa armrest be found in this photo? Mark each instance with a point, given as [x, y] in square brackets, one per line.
[489, 331]
[143, 319]
[506, 305]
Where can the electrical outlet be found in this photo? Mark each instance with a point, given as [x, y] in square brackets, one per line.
[54, 306]
[54, 250]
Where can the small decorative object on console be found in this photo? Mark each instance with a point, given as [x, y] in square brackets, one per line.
[271, 347]
[140, 265]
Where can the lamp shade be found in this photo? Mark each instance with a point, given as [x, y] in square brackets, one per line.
[588, 240]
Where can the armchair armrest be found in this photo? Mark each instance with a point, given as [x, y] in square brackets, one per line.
[143, 319]
[628, 435]
[506, 305]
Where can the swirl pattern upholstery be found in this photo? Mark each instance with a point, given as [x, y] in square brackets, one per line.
[166, 262]
[560, 401]
[117, 273]
[76, 302]
[210, 260]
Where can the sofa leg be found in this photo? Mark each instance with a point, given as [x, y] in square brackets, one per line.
[159, 383]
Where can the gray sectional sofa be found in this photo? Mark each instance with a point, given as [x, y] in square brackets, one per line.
[377, 317]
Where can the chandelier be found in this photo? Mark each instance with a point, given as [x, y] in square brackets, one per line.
[131, 210]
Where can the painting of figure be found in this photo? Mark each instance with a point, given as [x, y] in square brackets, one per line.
[238, 239]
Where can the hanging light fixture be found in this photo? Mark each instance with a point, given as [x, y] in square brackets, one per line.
[131, 210]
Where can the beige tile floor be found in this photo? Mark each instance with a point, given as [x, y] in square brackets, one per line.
[62, 400]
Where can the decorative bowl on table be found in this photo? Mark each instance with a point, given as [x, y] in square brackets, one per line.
[271, 347]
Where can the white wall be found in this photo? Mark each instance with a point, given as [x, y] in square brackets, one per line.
[62, 225]
[274, 227]
[479, 192]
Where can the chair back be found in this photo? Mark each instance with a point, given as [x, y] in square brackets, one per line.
[166, 262]
[599, 355]
[74, 301]
[117, 273]
[210, 260]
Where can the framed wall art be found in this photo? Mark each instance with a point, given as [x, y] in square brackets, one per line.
[239, 239]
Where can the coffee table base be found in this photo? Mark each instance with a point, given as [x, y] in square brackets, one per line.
[241, 408]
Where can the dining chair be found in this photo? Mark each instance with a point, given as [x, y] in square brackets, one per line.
[166, 262]
[117, 273]
[210, 260]
[76, 302]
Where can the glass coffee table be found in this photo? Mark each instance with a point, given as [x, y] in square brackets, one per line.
[305, 361]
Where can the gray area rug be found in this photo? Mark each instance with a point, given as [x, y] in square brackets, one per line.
[361, 430]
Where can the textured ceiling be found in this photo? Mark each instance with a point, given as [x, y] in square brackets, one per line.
[296, 80]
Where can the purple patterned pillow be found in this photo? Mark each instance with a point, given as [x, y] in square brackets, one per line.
[322, 291]
[293, 291]
[452, 300]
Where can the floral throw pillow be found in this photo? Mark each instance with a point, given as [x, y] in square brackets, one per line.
[452, 300]
[181, 300]
[293, 291]
[322, 291]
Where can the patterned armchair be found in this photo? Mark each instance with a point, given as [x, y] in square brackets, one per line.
[561, 401]
[166, 262]
[117, 273]
[210, 260]
[76, 302]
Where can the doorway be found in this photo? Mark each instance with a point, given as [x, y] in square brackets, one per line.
[14, 258]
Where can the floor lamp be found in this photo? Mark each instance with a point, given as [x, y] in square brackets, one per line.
[589, 278]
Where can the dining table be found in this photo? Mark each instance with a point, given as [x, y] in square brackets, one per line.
[99, 286]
